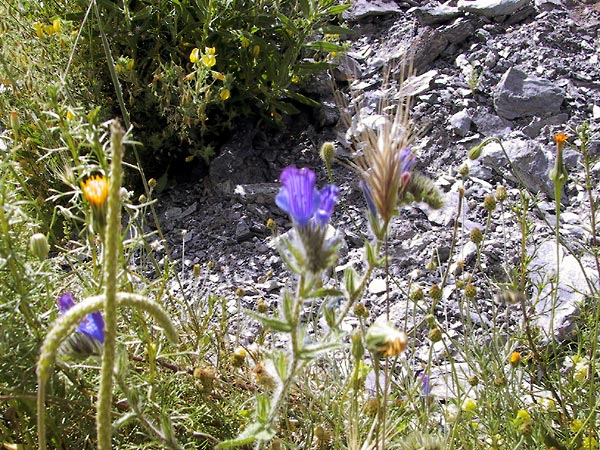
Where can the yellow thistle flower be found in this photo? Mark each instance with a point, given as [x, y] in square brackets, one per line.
[469, 405]
[95, 190]
[515, 358]
[195, 55]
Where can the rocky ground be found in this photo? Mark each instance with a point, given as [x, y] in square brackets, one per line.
[514, 69]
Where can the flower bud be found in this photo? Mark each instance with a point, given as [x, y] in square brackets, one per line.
[152, 183]
[327, 153]
[435, 292]
[515, 359]
[463, 171]
[476, 236]
[435, 335]
[261, 306]
[196, 270]
[473, 380]
[238, 357]
[489, 203]
[360, 310]
[430, 320]
[358, 350]
[501, 193]
[475, 152]
[15, 122]
[470, 291]
[417, 295]
[38, 244]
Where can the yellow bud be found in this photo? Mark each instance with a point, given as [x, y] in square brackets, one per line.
[225, 94]
[515, 359]
[327, 152]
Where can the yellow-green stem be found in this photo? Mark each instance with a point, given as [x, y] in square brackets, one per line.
[111, 263]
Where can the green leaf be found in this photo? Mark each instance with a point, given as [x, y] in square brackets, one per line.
[324, 292]
[314, 351]
[308, 68]
[325, 46]
[254, 432]
[302, 99]
[271, 322]
[335, 29]
[370, 254]
[337, 9]
[286, 108]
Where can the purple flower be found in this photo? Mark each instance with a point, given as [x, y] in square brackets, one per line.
[92, 325]
[368, 198]
[426, 385]
[300, 198]
[329, 195]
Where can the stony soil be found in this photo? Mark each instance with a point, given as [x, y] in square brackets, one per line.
[222, 218]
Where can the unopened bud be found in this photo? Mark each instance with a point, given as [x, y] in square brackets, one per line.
[360, 310]
[196, 270]
[38, 244]
[501, 193]
[261, 306]
[475, 152]
[238, 357]
[476, 236]
[358, 349]
[435, 335]
[435, 292]
[489, 203]
[463, 171]
[152, 183]
[470, 291]
[327, 153]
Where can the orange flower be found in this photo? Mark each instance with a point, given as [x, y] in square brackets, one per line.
[95, 190]
[560, 139]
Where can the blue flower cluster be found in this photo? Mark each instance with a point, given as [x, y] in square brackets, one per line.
[300, 198]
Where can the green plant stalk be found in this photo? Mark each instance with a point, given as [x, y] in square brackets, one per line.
[295, 365]
[111, 264]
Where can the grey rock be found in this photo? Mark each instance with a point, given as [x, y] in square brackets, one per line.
[459, 31]
[242, 231]
[434, 14]
[461, 123]
[348, 69]
[260, 193]
[491, 8]
[491, 125]
[519, 95]
[529, 159]
[535, 126]
[425, 48]
[446, 215]
[417, 85]
[556, 314]
[361, 9]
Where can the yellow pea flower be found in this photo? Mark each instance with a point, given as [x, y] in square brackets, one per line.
[195, 55]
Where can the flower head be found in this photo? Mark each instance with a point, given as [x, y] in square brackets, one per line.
[92, 325]
[209, 59]
[300, 198]
[95, 190]
[385, 340]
